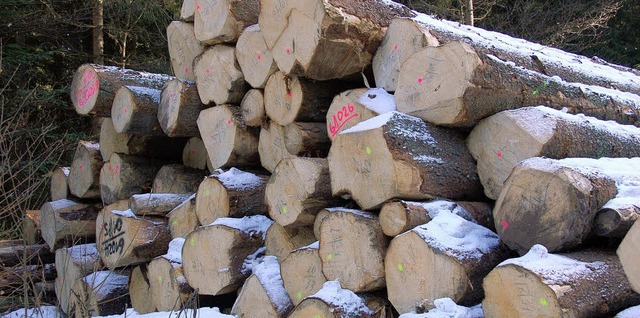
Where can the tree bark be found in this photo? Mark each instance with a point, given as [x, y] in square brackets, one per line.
[32, 227]
[301, 272]
[500, 142]
[25, 254]
[97, 32]
[617, 216]
[60, 183]
[135, 111]
[254, 58]
[183, 219]
[479, 85]
[179, 108]
[140, 289]
[73, 263]
[628, 254]
[223, 21]
[350, 108]
[579, 284]
[468, 12]
[252, 106]
[183, 48]
[157, 204]
[100, 294]
[84, 175]
[430, 162]
[218, 76]
[124, 176]
[12, 278]
[177, 178]
[280, 241]
[65, 223]
[195, 154]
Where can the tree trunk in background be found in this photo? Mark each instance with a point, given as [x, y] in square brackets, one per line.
[468, 12]
[98, 28]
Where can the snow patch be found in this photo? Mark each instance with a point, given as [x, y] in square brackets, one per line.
[126, 213]
[105, 282]
[86, 253]
[238, 179]
[255, 224]
[152, 93]
[632, 312]
[253, 260]
[268, 273]
[37, 312]
[372, 123]
[174, 254]
[354, 211]
[417, 129]
[378, 100]
[447, 308]
[350, 304]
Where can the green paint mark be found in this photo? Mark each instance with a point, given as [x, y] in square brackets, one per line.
[329, 257]
[284, 209]
[368, 150]
[160, 278]
[544, 302]
[175, 222]
[192, 241]
[317, 316]
[539, 89]
[207, 192]
[400, 267]
[299, 295]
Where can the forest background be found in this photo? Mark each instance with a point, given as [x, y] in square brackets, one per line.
[42, 43]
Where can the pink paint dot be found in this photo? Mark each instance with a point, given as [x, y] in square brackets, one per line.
[101, 226]
[259, 57]
[81, 166]
[419, 80]
[229, 122]
[499, 154]
[288, 51]
[198, 7]
[125, 110]
[186, 70]
[395, 47]
[505, 224]
[208, 71]
[158, 187]
[117, 169]
[171, 95]
[289, 94]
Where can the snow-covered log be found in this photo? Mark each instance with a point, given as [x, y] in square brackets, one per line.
[73, 263]
[100, 293]
[157, 204]
[65, 222]
[84, 175]
[169, 288]
[302, 273]
[332, 301]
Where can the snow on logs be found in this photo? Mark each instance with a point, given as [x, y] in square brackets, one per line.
[332, 301]
[65, 222]
[500, 142]
[73, 263]
[101, 293]
[155, 204]
[628, 254]
[357, 105]
[179, 108]
[400, 156]
[588, 283]
[554, 202]
[84, 176]
[135, 110]
[223, 21]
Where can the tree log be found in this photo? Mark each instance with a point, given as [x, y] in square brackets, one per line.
[589, 283]
[252, 106]
[25, 254]
[234, 193]
[228, 141]
[223, 21]
[73, 263]
[399, 216]
[183, 219]
[156, 146]
[357, 105]
[11, 278]
[213, 255]
[478, 85]
[60, 183]
[294, 140]
[158, 204]
[84, 177]
[554, 202]
[332, 301]
[263, 293]
[135, 111]
[280, 241]
[183, 47]
[413, 160]
[195, 154]
[352, 249]
[66, 223]
[298, 189]
[403, 38]
[318, 222]
[301, 272]
[100, 294]
[326, 39]
[254, 58]
[447, 257]
[617, 216]
[218, 76]
[628, 254]
[177, 178]
[169, 288]
[140, 289]
[187, 10]
[289, 99]
[124, 176]
[94, 86]
[179, 108]
[32, 227]
[124, 239]
[543, 132]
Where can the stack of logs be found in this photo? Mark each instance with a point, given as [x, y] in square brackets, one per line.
[264, 171]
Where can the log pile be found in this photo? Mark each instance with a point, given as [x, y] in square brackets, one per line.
[265, 177]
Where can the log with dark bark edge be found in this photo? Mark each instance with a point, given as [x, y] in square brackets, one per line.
[65, 222]
[263, 287]
[554, 202]
[124, 239]
[228, 141]
[169, 289]
[352, 248]
[101, 293]
[588, 283]
[403, 38]
[319, 305]
[32, 227]
[349, 108]
[536, 57]
[223, 21]
[135, 111]
[399, 216]
[617, 216]
[301, 272]
[628, 254]
[544, 132]
[124, 176]
[94, 86]
[139, 289]
[478, 85]
[187, 10]
[431, 162]
[289, 99]
[327, 39]
[317, 222]
[84, 177]
[218, 76]
[73, 263]
[157, 146]
[213, 255]
[60, 183]
[183, 48]
[177, 178]
[157, 204]
[252, 106]
[447, 257]
[280, 241]
[179, 108]
[25, 254]
[195, 154]
[234, 193]
[183, 219]
[12, 278]
[254, 58]
[298, 189]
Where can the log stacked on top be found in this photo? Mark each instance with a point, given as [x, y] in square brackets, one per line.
[299, 193]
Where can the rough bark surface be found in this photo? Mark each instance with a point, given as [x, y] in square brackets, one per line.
[65, 222]
[158, 204]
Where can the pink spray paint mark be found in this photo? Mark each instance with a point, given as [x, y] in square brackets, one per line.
[289, 94]
[125, 110]
[228, 121]
[198, 7]
[117, 170]
[505, 224]
[419, 80]
[499, 154]
[208, 71]
[186, 69]
[259, 57]
[81, 166]
[395, 47]
[288, 51]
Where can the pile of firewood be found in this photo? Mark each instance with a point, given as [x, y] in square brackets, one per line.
[267, 179]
